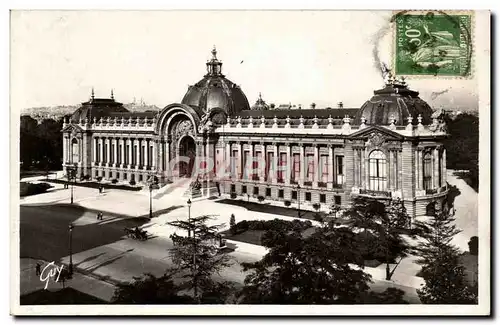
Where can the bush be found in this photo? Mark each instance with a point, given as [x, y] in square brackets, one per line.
[114, 181]
[318, 217]
[261, 198]
[316, 206]
[233, 195]
[32, 189]
[132, 182]
[474, 245]
[275, 225]
[98, 178]
[288, 203]
[232, 221]
[86, 178]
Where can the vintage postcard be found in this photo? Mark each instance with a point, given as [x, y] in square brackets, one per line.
[239, 162]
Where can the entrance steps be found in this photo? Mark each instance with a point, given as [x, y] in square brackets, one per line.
[177, 188]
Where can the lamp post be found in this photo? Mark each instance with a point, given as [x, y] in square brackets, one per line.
[189, 216]
[71, 248]
[150, 201]
[298, 200]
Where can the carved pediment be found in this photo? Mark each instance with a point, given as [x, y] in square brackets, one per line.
[377, 134]
[73, 129]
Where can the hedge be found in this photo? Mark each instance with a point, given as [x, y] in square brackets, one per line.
[33, 188]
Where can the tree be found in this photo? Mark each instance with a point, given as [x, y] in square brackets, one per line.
[383, 226]
[442, 271]
[150, 290]
[232, 221]
[312, 269]
[197, 255]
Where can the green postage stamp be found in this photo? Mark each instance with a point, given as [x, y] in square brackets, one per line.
[436, 43]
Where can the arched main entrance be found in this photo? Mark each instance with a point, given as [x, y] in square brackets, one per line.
[187, 155]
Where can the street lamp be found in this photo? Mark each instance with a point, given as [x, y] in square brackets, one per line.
[298, 200]
[71, 248]
[189, 216]
[150, 201]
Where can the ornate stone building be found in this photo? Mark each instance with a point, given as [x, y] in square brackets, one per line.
[391, 147]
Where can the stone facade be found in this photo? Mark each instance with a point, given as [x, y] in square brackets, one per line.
[324, 156]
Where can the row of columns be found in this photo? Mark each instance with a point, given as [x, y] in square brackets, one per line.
[235, 163]
[68, 150]
[132, 160]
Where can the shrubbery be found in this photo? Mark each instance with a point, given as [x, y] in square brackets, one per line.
[316, 206]
[261, 198]
[32, 188]
[98, 178]
[233, 195]
[132, 182]
[288, 203]
[274, 225]
[114, 181]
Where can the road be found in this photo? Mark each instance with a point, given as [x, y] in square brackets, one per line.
[100, 248]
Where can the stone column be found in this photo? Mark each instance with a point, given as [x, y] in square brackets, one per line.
[122, 153]
[316, 165]
[355, 166]
[146, 154]
[136, 153]
[443, 166]
[434, 163]
[167, 158]
[436, 168]
[302, 165]
[153, 154]
[101, 152]
[227, 160]
[363, 169]
[115, 152]
[275, 163]
[420, 170]
[108, 152]
[330, 167]
[390, 171]
[130, 148]
[239, 160]
[367, 169]
[262, 163]
[288, 164]
[94, 151]
[250, 163]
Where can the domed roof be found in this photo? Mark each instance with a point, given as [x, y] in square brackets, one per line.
[394, 101]
[216, 91]
[260, 104]
[97, 108]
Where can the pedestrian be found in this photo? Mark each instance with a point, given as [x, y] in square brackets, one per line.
[100, 215]
[38, 269]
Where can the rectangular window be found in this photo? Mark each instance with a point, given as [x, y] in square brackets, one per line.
[268, 191]
[281, 194]
[117, 175]
[125, 176]
[322, 198]
[323, 169]
[140, 177]
[338, 200]
[234, 164]
[255, 190]
[269, 166]
[296, 168]
[255, 173]
[282, 166]
[245, 172]
[105, 158]
[294, 195]
[96, 173]
[340, 169]
[233, 188]
[310, 168]
[244, 189]
[308, 196]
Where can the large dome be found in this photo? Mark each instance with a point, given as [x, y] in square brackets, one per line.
[215, 91]
[394, 101]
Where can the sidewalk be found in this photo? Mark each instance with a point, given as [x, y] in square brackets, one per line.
[29, 282]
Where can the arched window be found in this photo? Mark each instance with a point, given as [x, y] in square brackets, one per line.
[430, 209]
[75, 151]
[377, 171]
[427, 171]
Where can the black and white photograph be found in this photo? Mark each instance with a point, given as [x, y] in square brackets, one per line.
[250, 162]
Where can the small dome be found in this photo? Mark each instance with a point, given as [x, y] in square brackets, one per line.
[394, 101]
[260, 104]
[216, 91]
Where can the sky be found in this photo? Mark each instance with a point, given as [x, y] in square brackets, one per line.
[297, 57]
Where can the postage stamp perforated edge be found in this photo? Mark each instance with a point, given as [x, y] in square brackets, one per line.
[393, 32]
